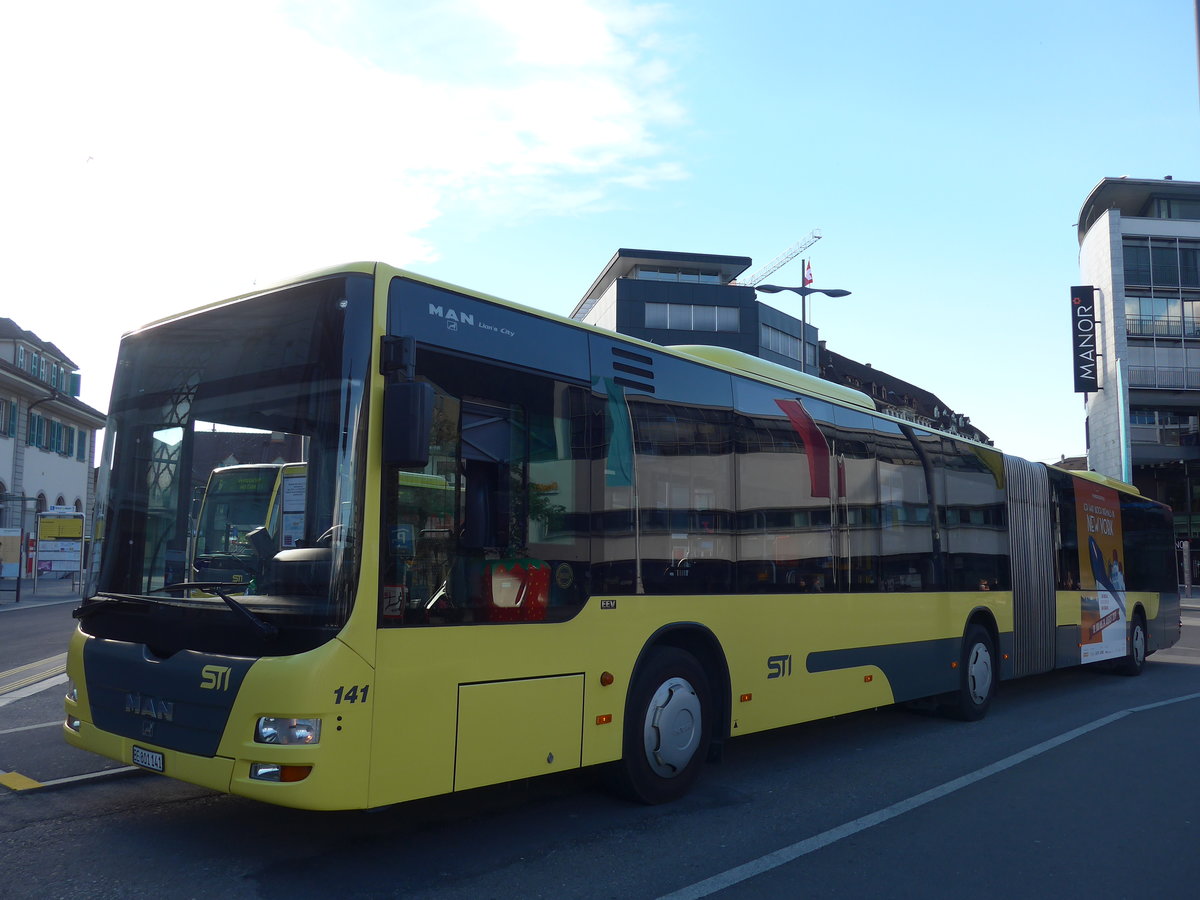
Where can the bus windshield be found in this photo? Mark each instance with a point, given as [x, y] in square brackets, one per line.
[273, 383]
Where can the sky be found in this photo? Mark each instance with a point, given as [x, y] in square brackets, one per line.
[159, 156]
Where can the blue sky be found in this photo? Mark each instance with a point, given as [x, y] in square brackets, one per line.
[170, 156]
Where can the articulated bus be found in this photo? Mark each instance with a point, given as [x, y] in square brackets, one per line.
[528, 545]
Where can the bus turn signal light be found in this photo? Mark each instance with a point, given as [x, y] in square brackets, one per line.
[604, 719]
[746, 698]
[276, 772]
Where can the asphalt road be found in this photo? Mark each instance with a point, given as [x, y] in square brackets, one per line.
[1077, 784]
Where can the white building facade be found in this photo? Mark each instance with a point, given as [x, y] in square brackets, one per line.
[47, 436]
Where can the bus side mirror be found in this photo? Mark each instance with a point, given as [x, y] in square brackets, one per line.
[407, 423]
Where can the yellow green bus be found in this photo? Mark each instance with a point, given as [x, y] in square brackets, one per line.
[528, 545]
[242, 505]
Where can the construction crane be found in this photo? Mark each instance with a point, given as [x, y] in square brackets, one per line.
[783, 258]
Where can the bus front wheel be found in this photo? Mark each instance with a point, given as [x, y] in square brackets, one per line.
[667, 723]
[977, 675]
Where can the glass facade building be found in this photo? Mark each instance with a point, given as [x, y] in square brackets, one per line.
[1140, 248]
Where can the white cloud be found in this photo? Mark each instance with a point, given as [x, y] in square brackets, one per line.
[160, 155]
[571, 33]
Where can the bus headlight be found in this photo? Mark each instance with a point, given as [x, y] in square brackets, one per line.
[72, 691]
[280, 730]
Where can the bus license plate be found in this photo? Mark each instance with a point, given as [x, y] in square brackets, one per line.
[147, 759]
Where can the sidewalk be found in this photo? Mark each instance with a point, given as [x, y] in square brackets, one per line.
[48, 592]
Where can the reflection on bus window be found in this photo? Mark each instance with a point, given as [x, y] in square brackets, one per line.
[248, 512]
[496, 527]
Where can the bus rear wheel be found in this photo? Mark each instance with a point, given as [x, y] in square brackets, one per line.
[668, 718]
[1135, 642]
[977, 676]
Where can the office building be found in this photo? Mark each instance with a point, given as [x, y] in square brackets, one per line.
[672, 298]
[1139, 248]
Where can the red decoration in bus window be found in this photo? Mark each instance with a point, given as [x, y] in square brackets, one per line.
[518, 590]
[816, 448]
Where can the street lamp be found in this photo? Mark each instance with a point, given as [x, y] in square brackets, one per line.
[803, 292]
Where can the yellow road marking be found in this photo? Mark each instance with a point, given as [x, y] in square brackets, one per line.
[49, 660]
[15, 781]
[33, 679]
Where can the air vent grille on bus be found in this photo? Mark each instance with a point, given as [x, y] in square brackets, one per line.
[638, 364]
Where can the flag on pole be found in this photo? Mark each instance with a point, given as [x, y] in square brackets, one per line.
[807, 272]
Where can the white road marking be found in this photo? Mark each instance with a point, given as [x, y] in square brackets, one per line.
[788, 854]
[32, 689]
[31, 727]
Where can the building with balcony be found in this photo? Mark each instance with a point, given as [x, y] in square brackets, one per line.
[47, 436]
[1139, 246]
[672, 298]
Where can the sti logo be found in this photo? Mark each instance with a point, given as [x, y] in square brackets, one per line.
[214, 678]
[778, 666]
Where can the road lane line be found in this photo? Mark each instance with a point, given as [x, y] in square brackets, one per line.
[785, 855]
[31, 727]
[32, 679]
[48, 661]
[92, 776]
[15, 781]
[32, 689]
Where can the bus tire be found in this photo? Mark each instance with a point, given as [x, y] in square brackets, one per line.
[977, 676]
[1135, 648]
[668, 718]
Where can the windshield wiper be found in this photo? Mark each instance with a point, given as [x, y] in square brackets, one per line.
[100, 601]
[218, 588]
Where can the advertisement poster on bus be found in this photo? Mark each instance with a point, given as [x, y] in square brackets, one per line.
[1101, 572]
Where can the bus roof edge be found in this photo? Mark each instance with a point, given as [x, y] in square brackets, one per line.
[764, 368]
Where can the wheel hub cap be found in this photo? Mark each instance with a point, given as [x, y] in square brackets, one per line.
[979, 673]
[672, 731]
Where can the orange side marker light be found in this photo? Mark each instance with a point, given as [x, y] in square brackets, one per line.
[604, 719]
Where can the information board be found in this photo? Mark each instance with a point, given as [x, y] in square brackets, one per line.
[59, 542]
[10, 552]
